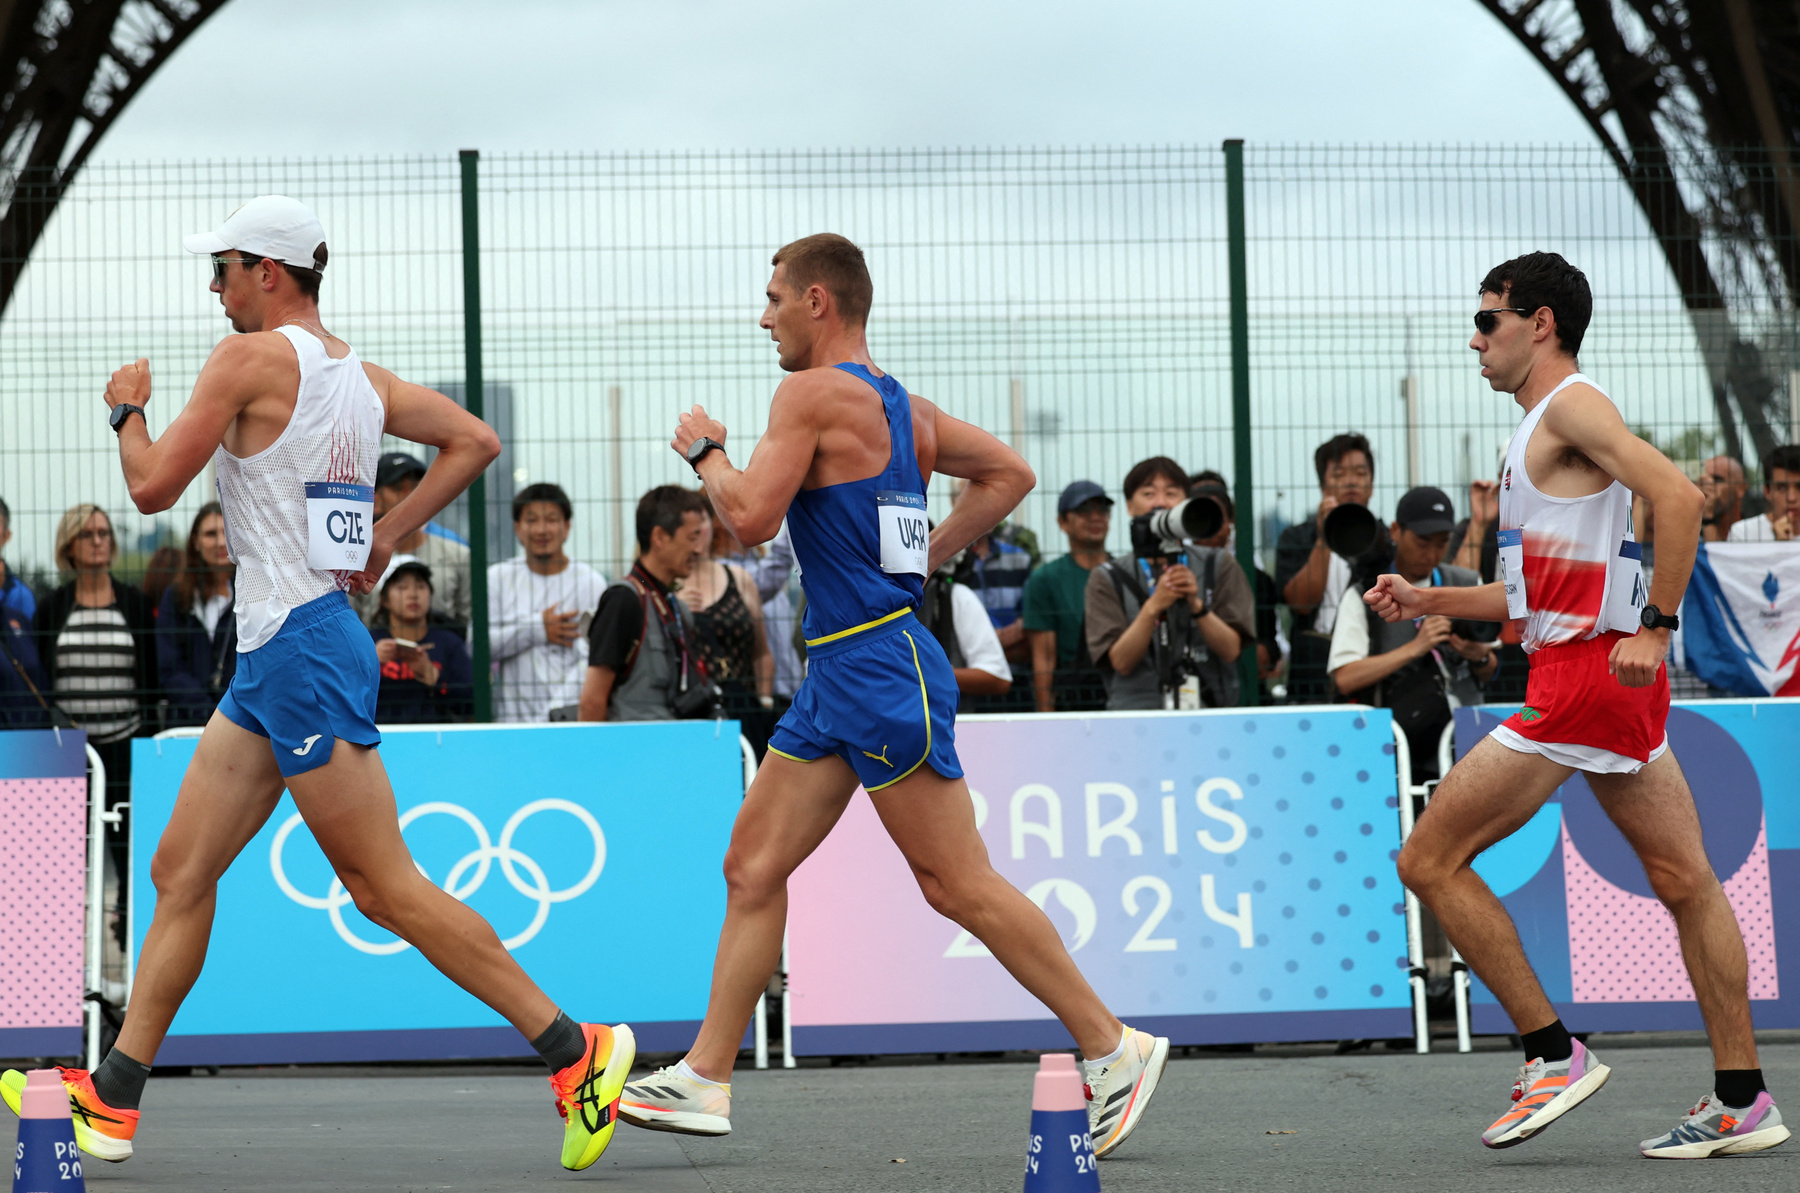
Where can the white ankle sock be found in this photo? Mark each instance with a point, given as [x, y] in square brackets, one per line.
[686, 1071]
[1115, 1054]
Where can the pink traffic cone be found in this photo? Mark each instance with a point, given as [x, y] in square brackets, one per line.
[46, 1160]
[1059, 1157]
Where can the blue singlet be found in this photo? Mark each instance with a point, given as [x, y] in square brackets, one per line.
[879, 692]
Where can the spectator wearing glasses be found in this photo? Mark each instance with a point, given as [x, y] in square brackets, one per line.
[1781, 521]
[396, 475]
[1311, 577]
[196, 638]
[1063, 676]
[426, 675]
[97, 638]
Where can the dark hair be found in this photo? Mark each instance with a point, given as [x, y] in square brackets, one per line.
[307, 279]
[1212, 484]
[160, 571]
[666, 506]
[1786, 457]
[1546, 280]
[5, 514]
[191, 580]
[543, 491]
[1339, 446]
[1144, 471]
[829, 260]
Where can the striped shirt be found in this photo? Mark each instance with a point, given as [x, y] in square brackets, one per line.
[96, 673]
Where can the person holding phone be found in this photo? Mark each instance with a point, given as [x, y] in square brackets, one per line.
[425, 671]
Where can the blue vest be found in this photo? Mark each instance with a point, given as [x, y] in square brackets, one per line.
[836, 530]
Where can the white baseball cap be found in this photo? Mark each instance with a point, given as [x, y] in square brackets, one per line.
[272, 226]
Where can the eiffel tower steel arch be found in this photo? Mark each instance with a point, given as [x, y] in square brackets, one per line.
[1697, 102]
[68, 68]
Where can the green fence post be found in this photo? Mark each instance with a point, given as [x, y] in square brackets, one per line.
[472, 395]
[1244, 497]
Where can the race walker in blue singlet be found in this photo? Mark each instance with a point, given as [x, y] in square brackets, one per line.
[879, 692]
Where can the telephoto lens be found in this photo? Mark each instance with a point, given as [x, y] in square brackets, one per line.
[1165, 532]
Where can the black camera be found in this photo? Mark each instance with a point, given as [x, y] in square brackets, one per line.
[1165, 532]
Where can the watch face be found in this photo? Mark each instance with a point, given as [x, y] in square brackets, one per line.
[698, 448]
[1650, 616]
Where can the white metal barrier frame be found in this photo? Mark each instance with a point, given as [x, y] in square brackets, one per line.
[1406, 790]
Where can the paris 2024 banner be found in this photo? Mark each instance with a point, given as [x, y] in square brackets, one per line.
[1219, 876]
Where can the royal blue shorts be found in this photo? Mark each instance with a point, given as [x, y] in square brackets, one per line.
[312, 683]
[884, 701]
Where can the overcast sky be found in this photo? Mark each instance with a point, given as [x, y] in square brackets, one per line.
[275, 78]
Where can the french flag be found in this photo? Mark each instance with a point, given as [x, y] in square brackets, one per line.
[1740, 620]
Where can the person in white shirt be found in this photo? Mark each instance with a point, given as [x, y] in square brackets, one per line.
[1782, 489]
[540, 604]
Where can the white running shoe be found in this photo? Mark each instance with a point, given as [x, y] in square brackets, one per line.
[669, 1100]
[1119, 1092]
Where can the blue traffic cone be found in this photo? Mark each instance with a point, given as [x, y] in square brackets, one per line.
[1059, 1157]
[46, 1160]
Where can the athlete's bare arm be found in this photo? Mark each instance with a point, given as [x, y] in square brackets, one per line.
[241, 380]
[1393, 599]
[465, 444]
[753, 500]
[998, 480]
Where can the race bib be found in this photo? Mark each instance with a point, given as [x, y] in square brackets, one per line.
[1512, 572]
[339, 519]
[905, 535]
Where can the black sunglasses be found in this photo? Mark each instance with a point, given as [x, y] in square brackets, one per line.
[219, 264]
[1486, 320]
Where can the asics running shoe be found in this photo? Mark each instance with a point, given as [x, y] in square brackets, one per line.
[1544, 1092]
[587, 1092]
[102, 1131]
[1711, 1129]
[1119, 1092]
[669, 1100]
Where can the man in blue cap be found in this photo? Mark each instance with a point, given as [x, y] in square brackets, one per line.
[1062, 674]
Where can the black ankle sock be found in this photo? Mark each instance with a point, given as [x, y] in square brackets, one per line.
[562, 1043]
[1737, 1088]
[120, 1080]
[1548, 1043]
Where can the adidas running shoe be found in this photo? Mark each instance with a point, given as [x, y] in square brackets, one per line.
[1711, 1129]
[670, 1100]
[101, 1131]
[1119, 1092]
[587, 1092]
[1544, 1092]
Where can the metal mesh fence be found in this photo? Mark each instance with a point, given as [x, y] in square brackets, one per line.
[1074, 301]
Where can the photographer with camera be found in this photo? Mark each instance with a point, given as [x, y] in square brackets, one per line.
[1421, 669]
[1172, 610]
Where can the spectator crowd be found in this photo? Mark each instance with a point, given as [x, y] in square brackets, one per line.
[703, 626]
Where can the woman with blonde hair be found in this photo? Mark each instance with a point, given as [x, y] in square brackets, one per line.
[196, 628]
[96, 636]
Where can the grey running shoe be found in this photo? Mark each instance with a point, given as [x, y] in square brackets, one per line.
[1118, 1093]
[1712, 1129]
[1544, 1092]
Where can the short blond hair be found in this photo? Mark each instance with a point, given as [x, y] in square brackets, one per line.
[831, 261]
[70, 528]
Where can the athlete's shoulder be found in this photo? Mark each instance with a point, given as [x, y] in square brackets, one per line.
[256, 350]
[1580, 404]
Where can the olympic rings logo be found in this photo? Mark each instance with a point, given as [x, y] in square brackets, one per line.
[466, 876]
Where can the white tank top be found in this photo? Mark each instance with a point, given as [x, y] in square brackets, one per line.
[1580, 560]
[330, 446]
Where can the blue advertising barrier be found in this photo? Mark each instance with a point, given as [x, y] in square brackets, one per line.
[562, 836]
[1219, 876]
[1604, 948]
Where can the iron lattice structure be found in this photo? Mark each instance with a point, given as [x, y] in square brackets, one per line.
[1698, 104]
[68, 68]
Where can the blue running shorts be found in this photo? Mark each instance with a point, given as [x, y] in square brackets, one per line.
[884, 701]
[312, 683]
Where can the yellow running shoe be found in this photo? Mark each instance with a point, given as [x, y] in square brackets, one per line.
[101, 1131]
[587, 1093]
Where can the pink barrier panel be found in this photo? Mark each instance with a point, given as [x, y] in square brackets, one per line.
[43, 833]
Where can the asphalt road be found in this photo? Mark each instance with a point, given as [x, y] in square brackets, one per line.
[1374, 1120]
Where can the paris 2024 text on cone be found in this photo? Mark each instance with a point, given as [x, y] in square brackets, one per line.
[46, 1160]
[1059, 1156]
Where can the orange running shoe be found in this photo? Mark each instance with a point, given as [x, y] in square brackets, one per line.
[101, 1131]
[587, 1093]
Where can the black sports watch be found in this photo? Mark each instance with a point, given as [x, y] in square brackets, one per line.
[1655, 619]
[697, 450]
[120, 413]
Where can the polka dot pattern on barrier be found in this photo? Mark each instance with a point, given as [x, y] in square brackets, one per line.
[1623, 947]
[43, 832]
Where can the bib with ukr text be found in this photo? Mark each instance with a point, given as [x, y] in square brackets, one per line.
[905, 535]
[340, 518]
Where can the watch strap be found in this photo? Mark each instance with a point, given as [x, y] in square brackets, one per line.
[121, 412]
